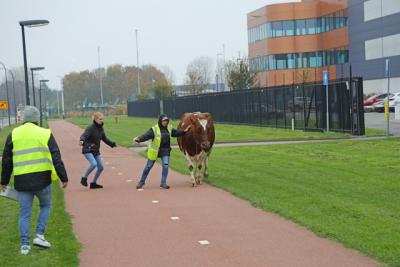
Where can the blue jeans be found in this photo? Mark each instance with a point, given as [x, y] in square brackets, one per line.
[149, 165]
[94, 162]
[25, 212]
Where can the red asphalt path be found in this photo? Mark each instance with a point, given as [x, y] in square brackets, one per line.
[120, 226]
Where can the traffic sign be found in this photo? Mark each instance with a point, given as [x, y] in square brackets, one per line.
[325, 75]
[3, 105]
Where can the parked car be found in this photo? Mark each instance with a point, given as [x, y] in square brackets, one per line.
[380, 105]
[376, 98]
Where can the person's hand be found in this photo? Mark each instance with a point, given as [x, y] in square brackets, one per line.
[187, 128]
[81, 143]
[64, 184]
[3, 188]
[136, 140]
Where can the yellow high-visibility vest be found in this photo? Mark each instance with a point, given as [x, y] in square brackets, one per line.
[30, 150]
[154, 145]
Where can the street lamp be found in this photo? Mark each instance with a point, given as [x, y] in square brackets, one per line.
[8, 98]
[62, 94]
[15, 101]
[40, 100]
[137, 58]
[30, 24]
[33, 83]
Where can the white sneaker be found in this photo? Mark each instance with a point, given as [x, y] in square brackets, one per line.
[40, 241]
[25, 249]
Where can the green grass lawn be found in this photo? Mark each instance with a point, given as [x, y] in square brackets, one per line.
[346, 190]
[128, 127]
[65, 248]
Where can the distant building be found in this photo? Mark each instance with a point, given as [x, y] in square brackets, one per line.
[374, 30]
[183, 90]
[294, 42]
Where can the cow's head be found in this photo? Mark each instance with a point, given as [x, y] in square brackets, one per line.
[203, 130]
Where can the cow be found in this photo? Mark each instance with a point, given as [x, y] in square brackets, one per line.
[197, 143]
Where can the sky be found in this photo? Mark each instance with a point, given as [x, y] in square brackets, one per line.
[170, 33]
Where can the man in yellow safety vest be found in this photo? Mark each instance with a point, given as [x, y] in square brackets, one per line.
[32, 155]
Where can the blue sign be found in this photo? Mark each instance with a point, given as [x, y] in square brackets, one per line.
[325, 75]
[387, 68]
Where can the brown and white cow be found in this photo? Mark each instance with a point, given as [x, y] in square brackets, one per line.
[197, 143]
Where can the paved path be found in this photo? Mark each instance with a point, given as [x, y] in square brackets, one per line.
[119, 226]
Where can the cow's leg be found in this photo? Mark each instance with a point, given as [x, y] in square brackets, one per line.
[206, 167]
[198, 173]
[191, 168]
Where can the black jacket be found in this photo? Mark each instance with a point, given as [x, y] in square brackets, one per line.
[91, 138]
[165, 145]
[32, 181]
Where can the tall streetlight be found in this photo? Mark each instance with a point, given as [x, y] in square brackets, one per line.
[137, 58]
[33, 83]
[8, 98]
[15, 101]
[40, 100]
[100, 77]
[62, 94]
[30, 24]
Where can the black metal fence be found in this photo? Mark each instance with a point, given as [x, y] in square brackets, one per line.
[302, 106]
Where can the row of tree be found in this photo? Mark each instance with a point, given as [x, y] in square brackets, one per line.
[120, 83]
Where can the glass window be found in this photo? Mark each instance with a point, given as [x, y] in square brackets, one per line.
[288, 27]
[300, 27]
[281, 62]
[299, 60]
[311, 25]
[305, 60]
[291, 64]
[271, 62]
[277, 28]
[313, 59]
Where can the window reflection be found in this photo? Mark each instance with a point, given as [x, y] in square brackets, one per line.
[300, 60]
[282, 28]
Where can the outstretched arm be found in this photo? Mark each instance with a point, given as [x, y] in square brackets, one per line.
[146, 136]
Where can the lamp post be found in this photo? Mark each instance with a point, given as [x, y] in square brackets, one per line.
[28, 23]
[40, 100]
[8, 98]
[62, 94]
[33, 83]
[15, 101]
[100, 77]
[137, 60]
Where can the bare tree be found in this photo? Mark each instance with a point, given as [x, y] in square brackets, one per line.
[168, 73]
[198, 74]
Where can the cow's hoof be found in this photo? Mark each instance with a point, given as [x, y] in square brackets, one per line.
[193, 184]
[198, 182]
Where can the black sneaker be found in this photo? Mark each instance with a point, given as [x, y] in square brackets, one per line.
[84, 181]
[139, 185]
[95, 186]
[164, 186]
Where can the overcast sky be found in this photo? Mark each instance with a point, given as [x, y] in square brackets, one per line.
[171, 33]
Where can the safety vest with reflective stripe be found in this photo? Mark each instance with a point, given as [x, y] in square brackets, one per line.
[30, 150]
[154, 145]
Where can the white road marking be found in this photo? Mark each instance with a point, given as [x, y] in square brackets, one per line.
[129, 181]
[204, 242]
[141, 189]
[174, 218]
[120, 173]
[155, 201]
